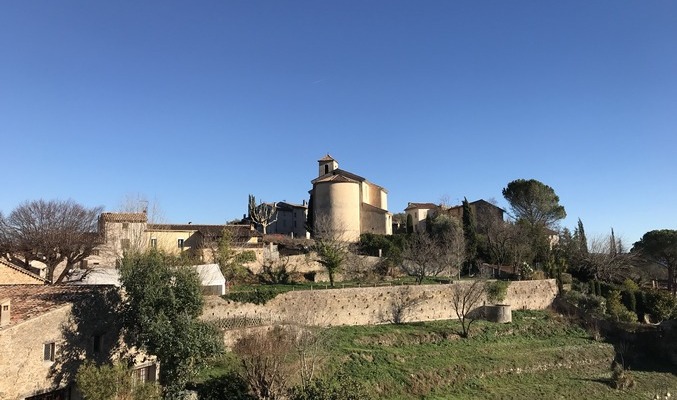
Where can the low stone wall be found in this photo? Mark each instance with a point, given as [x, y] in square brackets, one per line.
[372, 305]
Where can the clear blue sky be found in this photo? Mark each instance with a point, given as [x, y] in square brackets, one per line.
[197, 104]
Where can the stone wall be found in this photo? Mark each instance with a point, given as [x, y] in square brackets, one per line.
[374, 305]
[24, 369]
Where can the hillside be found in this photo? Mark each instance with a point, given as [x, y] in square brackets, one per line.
[538, 355]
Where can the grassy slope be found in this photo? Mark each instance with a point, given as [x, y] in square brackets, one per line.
[537, 356]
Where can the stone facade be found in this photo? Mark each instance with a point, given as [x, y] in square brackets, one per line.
[346, 205]
[371, 305]
[11, 274]
[50, 332]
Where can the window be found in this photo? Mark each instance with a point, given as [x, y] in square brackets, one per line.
[326, 169]
[95, 252]
[125, 243]
[153, 243]
[5, 307]
[181, 244]
[97, 343]
[50, 350]
[125, 225]
[144, 374]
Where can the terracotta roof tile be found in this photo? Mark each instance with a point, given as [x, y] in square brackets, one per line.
[426, 206]
[124, 217]
[30, 301]
[326, 158]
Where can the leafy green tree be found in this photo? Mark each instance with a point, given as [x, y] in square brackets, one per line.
[660, 247]
[534, 202]
[160, 315]
[331, 255]
[230, 260]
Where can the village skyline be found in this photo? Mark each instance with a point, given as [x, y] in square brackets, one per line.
[194, 108]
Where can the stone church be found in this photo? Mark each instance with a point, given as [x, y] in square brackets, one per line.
[346, 205]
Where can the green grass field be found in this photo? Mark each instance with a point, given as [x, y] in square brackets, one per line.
[538, 355]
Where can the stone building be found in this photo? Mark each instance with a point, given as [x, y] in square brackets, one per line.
[290, 220]
[121, 232]
[48, 331]
[485, 213]
[418, 212]
[346, 205]
[11, 274]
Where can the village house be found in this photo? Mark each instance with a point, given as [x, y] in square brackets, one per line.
[290, 220]
[346, 205]
[131, 231]
[11, 274]
[485, 213]
[48, 331]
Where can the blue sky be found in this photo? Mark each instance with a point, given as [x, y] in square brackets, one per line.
[197, 104]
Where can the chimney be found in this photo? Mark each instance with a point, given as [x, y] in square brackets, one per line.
[5, 309]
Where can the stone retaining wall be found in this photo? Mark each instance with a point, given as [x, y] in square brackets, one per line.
[372, 305]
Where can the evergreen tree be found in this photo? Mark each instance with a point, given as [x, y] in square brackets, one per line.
[410, 224]
[612, 244]
[470, 235]
[579, 234]
[310, 219]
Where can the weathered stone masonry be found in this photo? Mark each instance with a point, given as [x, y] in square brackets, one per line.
[365, 306]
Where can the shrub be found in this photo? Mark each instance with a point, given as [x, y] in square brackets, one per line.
[256, 296]
[566, 278]
[630, 300]
[497, 290]
[617, 310]
[337, 388]
[620, 379]
[661, 304]
[588, 302]
[110, 382]
[230, 386]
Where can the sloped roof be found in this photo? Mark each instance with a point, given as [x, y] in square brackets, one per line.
[424, 206]
[207, 230]
[369, 207]
[11, 265]
[335, 178]
[210, 274]
[283, 205]
[30, 301]
[124, 217]
[341, 175]
[326, 158]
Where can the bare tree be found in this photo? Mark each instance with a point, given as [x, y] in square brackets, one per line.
[51, 232]
[465, 298]
[265, 358]
[262, 214]
[424, 255]
[604, 262]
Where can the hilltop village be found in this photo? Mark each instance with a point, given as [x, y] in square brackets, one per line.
[93, 301]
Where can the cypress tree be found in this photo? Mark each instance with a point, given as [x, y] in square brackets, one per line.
[470, 234]
[410, 224]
